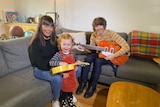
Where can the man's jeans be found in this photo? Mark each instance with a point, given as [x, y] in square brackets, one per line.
[97, 64]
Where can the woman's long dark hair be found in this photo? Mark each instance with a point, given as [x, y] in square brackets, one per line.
[45, 20]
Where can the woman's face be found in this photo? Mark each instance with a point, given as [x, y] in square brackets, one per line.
[99, 29]
[47, 30]
[66, 45]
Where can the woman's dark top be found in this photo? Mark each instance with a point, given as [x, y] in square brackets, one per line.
[40, 56]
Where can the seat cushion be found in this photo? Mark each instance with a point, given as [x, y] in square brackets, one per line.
[140, 69]
[22, 89]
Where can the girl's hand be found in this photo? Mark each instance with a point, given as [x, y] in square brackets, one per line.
[63, 63]
[79, 62]
[65, 75]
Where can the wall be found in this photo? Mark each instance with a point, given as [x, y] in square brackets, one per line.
[122, 15]
[32, 8]
[5, 5]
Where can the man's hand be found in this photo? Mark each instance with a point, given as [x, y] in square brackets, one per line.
[80, 47]
[110, 57]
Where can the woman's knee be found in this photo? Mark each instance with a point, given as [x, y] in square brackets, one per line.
[57, 78]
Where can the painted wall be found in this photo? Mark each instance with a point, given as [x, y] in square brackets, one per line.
[121, 15]
[5, 5]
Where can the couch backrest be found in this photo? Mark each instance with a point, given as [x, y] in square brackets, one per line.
[129, 38]
[88, 33]
[122, 34]
[15, 53]
[3, 65]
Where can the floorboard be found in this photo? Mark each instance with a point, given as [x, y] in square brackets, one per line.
[97, 100]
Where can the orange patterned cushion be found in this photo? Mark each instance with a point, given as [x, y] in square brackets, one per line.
[145, 44]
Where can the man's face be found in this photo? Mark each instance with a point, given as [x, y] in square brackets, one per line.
[99, 29]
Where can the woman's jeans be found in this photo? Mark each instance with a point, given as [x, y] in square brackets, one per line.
[55, 80]
[97, 64]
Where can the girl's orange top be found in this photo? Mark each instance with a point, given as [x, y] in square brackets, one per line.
[69, 84]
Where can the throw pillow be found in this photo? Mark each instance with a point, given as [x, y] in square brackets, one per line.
[79, 37]
[145, 44]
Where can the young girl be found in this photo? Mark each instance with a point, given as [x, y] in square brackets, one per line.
[64, 57]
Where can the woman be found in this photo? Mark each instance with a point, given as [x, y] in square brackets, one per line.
[100, 33]
[42, 47]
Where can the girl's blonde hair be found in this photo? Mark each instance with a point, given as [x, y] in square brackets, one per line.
[64, 36]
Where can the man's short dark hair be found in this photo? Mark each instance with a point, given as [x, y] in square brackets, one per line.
[99, 21]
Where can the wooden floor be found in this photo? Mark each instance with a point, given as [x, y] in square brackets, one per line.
[97, 100]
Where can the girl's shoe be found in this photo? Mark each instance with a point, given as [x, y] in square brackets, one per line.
[64, 103]
[70, 102]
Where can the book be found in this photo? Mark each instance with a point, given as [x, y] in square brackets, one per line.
[12, 16]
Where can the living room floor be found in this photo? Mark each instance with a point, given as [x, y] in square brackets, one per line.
[98, 99]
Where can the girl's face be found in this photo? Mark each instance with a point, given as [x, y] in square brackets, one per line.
[47, 30]
[99, 29]
[66, 45]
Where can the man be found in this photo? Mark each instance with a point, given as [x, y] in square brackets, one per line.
[100, 33]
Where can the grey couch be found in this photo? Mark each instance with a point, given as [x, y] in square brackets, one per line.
[19, 87]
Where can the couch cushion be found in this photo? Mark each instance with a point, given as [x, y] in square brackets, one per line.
[22, 89]
[145, 44]
[3, 66]
[15, 53]
[140, 69]
[123, 35]
[79, 37]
